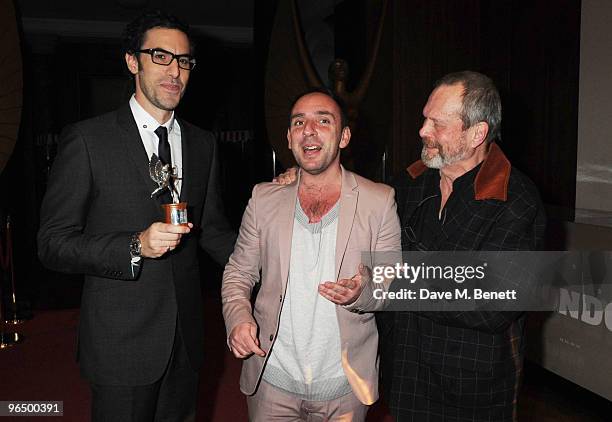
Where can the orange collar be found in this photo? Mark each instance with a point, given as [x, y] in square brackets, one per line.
[492, 178]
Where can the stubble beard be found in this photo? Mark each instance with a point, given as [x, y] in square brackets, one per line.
[315, 168]
[151, 94]
[442, 159]
[310, 167]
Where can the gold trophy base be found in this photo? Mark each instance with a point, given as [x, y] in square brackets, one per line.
[9, 339]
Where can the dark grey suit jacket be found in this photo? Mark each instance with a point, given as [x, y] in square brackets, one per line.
[98, 195]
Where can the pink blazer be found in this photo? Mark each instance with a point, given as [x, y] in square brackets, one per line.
[367, 222]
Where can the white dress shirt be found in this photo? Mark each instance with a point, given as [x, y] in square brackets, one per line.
[147, 126]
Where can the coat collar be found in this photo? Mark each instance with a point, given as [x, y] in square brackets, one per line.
[491, 180]
[145, 120]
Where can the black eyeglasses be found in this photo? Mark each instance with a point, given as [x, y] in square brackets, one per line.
[164, 58]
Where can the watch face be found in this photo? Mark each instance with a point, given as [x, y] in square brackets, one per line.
[135, 245]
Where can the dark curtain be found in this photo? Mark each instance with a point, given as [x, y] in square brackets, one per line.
[531, 51]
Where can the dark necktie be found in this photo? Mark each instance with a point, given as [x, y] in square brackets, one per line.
[165, 155]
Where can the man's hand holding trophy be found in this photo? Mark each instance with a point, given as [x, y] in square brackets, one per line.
[160, 238]
[165, 176]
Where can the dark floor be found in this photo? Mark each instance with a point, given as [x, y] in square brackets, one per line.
[548, 397]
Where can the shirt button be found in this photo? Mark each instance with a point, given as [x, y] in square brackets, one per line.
[281, 298]
[271, 337]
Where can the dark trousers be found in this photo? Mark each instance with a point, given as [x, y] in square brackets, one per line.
[172, 398]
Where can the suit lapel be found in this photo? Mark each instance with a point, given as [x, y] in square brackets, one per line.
[348, 206]
[187, 152]
[286, 217]
[135, 149]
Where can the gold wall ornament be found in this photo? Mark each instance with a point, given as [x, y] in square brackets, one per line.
[290, 71]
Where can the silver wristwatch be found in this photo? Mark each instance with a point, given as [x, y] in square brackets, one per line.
[135, 246]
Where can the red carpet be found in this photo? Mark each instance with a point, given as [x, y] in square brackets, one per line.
[43, 368]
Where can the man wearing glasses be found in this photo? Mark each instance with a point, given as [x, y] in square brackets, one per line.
[463, 195]
[140, 332]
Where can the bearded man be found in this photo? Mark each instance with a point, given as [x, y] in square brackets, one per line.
[463, 195]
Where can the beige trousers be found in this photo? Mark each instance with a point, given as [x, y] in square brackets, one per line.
[271, 404]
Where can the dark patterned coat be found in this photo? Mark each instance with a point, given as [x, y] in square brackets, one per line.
[461, 366]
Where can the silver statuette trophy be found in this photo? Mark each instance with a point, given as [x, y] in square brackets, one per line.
[163, 174]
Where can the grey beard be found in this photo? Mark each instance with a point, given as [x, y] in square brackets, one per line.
[437, 161]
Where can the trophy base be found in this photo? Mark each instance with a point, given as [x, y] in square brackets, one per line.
[176, 213]
[9, 339]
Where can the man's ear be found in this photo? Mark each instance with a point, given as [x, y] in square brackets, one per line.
[132, 63]
[289, 138]
[479, 134]
[345, 137]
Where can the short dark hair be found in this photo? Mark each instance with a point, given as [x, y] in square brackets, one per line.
[480, 103]
[325, 91]
[134, 33]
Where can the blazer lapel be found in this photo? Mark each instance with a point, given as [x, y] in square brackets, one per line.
[186, 152]
[286, 216]
[348, 206]
[135, 148]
